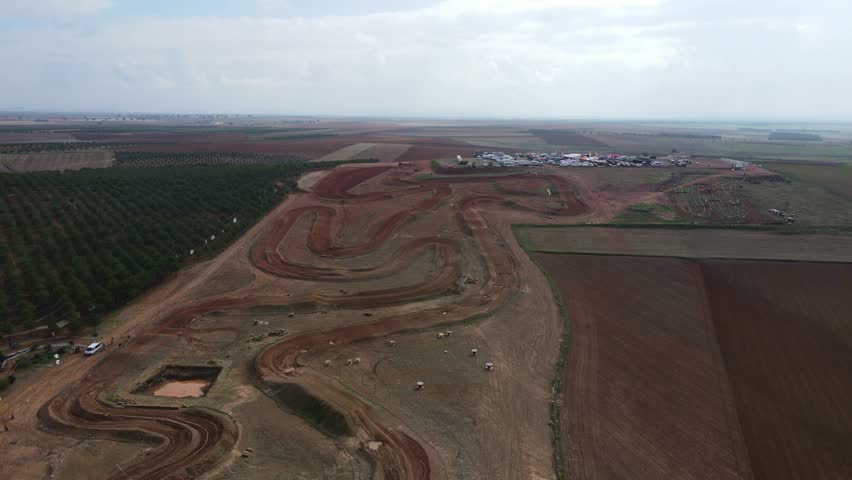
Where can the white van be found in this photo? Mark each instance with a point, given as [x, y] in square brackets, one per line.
[94, 348]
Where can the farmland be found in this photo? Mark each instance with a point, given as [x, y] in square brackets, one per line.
[689, 242]
[566, 137]
[720, 201]
[347, 152]
[814, 201]
[835, 179]
[784, 339]
[35, 162]
[414, 141]
[57, 147]
[160, 159]
[76, 245]
[393, 317]
[758, 386]
[628, 409]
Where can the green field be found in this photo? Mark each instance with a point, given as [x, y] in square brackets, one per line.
[822, 152]
[816, 195]
[644, 213]
[835, 179]
[527, 144]
[840, 152]
[689, 242]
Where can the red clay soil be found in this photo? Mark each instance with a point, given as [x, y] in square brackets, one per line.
[785, 333]
[645, 394]
[337, 184]
[184, 442]
[431, 152]
[187, 442]
[425, 148]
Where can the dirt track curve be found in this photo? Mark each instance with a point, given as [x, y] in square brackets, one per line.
[187, 442]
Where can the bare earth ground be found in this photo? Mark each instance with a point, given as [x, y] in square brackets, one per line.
[716, 368]
[347, 152]
[386, 152]
[786, 339]
[698, 243]
[365, 255]
[646, 394]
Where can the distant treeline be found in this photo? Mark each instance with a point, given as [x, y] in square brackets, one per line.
[795, 136]
[302, 136]
[59, 147]
[696, 136]
[94, 127]
[809, 130]
[160, 159]
[755, 130]
[539, 131]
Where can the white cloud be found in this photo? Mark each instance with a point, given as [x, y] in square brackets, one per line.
[50, 8]
[547, 58]
[455, 8]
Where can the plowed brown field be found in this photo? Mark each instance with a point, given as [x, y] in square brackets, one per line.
[705, 368]
[646, 394]
[385, 148]
[786, 337]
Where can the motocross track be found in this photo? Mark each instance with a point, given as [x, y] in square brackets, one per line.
[308, 243]
[408, 254]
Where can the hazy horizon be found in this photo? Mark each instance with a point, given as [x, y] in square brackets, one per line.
[535, 60]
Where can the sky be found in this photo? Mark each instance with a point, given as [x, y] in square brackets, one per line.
[538, 59]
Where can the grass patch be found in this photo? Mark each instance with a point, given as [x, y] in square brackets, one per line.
[26, 362]
[323, 416]
[333, 163]
[836, 179]
[471, 320]
[6, 382]
[499, 188]
[783, 229]
[553, 190]
[811, 203]
[747, 242]
[556, 383]
[554, 409]
[647, 213]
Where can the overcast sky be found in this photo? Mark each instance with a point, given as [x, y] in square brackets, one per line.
[678, 59]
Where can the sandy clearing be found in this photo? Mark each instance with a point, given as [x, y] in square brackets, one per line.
[346, 153]
[307, 181]
[385, 152]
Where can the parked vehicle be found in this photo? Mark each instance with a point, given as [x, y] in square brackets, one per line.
[93, 348]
